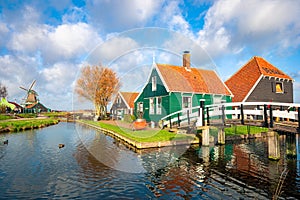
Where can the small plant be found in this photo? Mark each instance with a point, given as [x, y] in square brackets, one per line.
[280, 184]
[129, 118]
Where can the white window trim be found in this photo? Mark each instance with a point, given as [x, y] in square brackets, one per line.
[158, 109]
[282, 86]
[154, 83]
[141, 107]
[190, 105]
[151, 106]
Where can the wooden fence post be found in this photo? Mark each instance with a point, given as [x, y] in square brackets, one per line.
[188, 116]
[178, 119]
[202, 112]
[223, 115]
[298, 119]
[271, 117]
[207, 116]
[242, 115]
[281, 109]
[170, 122]
[265, 116]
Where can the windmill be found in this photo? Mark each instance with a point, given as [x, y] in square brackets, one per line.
[31, 97]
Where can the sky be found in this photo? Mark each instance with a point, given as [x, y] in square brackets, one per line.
[51, 40]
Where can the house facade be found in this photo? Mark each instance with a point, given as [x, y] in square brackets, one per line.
[123, 104]
[172, 88]
[260, 81]
[35, 108]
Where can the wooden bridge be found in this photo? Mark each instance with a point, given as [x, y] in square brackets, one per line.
[276, 116]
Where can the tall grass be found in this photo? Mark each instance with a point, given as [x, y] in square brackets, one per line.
[20, 125]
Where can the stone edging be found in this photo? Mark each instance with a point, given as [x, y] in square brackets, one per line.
[141, 145]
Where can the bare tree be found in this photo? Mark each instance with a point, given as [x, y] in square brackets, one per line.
[98, 84]
[3, 91]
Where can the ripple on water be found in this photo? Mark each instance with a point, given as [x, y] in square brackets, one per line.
[32, 166]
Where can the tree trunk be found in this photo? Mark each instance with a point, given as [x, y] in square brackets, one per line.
[97, 108]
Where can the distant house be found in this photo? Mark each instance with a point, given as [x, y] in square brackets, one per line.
[260, 81]
[36, 108]
[17, 108]
[172, 88]
[123, 104]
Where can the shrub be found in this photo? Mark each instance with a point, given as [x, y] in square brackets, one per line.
[129, 118]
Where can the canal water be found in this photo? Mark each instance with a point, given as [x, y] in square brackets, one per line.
[95, 166]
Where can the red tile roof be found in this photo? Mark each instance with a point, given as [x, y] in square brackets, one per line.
[178, 79]
[31, 105]
[129, 97]
[245, 78]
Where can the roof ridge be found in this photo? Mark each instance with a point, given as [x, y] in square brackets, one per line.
[240, 69]
[257, 64]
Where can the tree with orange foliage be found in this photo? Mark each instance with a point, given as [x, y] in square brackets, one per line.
[98, 84]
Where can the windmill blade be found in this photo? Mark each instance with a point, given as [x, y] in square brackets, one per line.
[32, 85]
[23, 88]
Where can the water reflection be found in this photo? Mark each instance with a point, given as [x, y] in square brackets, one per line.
[91, 166]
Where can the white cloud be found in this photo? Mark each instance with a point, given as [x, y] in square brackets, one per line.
[17, 71]
[261, 24]
[68, 41]
[59, 77]
[116, 15]
[3, 28]
[112, 49]
[30, 39]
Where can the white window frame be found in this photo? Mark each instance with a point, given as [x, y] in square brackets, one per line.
[158, 105]
[154, 83]
[189, 103]
[151, 106]
[282, 88]
[141, 107]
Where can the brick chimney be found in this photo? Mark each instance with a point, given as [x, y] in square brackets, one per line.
[186, 58]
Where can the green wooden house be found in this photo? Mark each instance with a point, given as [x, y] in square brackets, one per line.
[172, 88]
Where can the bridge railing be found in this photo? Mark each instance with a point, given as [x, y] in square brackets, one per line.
[184, 116]
[241, 110]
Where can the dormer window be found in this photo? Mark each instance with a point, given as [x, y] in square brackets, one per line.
[153, 83]
[279, 87]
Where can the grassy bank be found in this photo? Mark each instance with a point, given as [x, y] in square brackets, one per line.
[243, 130]
[56, 114]
[239, 130]
[20, 125]
[142, 135]
[5, 117]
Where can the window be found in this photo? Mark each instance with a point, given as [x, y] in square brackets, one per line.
[140, 106]
[119, 100]
[153, 83]
[186, 102]
[151, 104]
[279, 87]
[158, 105]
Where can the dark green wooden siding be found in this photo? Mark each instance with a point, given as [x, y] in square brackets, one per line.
[171, 102]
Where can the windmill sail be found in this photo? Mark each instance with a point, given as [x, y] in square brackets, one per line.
[32, 84]
[31, 97]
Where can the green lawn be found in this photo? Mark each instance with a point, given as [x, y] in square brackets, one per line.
[142, 135]
[56, 114]
[5, 117]
[27, 115]
[242, 130]
[19, 125]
